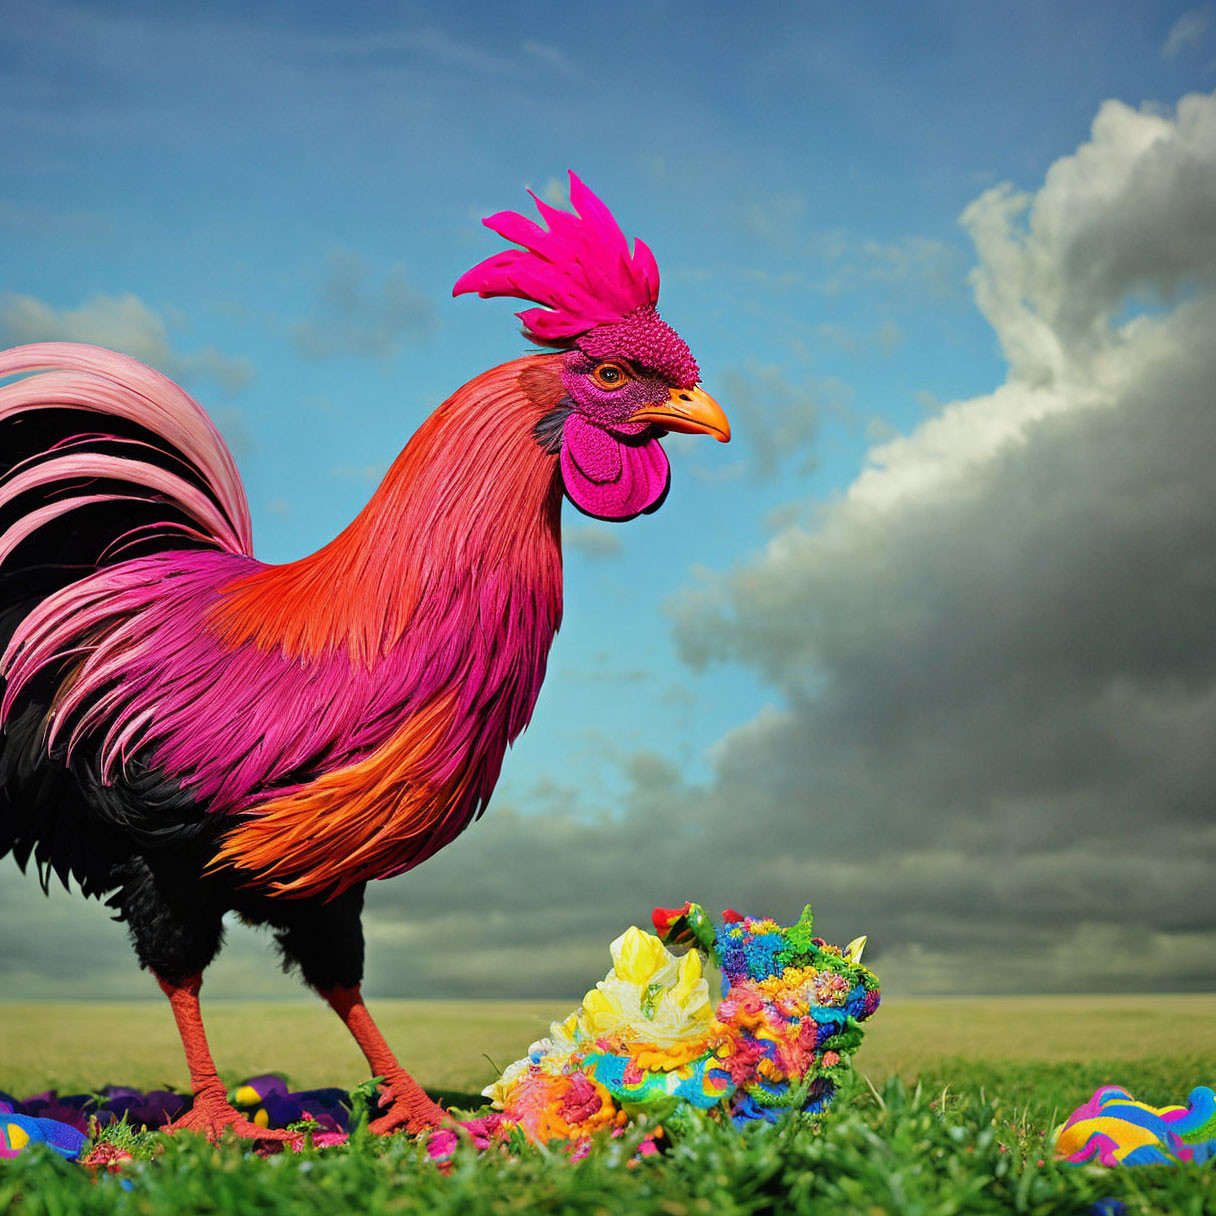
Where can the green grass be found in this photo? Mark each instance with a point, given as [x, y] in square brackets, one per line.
[994, 1078]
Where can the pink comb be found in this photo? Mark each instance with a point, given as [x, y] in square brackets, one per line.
[579, 270]
[590, 287]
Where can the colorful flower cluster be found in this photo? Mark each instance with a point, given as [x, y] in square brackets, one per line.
[648, 1037]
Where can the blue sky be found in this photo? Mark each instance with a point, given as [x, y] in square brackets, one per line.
[272, 201]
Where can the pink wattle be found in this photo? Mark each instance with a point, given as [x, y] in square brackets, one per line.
[608, 477]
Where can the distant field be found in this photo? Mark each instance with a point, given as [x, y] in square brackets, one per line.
[79, 1046]
[446, 1043]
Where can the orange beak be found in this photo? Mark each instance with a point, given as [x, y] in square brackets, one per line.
[692, 411]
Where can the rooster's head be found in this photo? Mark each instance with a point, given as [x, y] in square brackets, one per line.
[629, 378]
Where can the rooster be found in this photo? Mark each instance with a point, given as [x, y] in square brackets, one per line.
[189, 731]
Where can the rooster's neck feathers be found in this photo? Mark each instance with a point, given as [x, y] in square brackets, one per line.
[450, 587]
[472, 500]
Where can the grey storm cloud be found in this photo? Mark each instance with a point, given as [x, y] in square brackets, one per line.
[997, 653]
[992, 659]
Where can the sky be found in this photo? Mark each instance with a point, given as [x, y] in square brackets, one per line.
[930, 645]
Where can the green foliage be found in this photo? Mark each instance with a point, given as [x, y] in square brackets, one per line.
[975, 1140]
[139, 1142]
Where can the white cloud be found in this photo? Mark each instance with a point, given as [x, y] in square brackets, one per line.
[372, 474]
[1132, 215]
[915, 266]
[123, 323]
[552, 58]
[556, 192]
[777, 218]
[777, 419]
[593, 540]
[360, 313]
[885, 339]
[1188, 33]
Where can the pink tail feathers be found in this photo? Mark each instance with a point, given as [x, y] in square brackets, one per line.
[89, 378]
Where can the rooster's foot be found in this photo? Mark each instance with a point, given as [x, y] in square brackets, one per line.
[409, 1108]
[213, 1117]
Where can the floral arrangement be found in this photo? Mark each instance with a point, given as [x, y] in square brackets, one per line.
[648, 1038]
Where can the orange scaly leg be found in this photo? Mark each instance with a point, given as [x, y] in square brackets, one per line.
[411, 1108]
[211, 1112]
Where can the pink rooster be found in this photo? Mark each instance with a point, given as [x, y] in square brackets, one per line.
[189, 731]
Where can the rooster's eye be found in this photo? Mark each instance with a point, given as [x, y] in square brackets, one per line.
[609, 375]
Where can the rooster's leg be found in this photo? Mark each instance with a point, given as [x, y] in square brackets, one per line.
[176, 928]
[324, 938]
[211, 1113]
[411, 1108]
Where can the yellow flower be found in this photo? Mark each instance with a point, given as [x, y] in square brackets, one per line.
[639, 957]
[650, 994]
[653, 1005]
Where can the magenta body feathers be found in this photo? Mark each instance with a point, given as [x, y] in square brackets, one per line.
[245, 683]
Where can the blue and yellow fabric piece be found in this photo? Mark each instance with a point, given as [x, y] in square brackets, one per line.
[18, 1132]
[63, 1121]
[1112, 1128]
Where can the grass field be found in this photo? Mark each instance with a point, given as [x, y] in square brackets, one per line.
[449, 1045]
[996, 1075]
